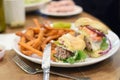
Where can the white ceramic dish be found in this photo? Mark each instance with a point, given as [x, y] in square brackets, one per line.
[115, 42]
[78, 10]
[35, 6]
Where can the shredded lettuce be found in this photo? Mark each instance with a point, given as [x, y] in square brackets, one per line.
[79, 56]
[104, 44]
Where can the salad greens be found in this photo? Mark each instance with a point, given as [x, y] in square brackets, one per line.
[79, 56]
[104, 44]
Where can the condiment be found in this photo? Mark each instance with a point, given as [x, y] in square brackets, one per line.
[62, 25]
[2, 52]
[2, 19]
[14, 12]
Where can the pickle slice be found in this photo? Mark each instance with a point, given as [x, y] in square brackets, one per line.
[61, 25]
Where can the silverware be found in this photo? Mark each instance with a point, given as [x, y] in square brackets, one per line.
[46, 61]
[30, 70]
[25, 67]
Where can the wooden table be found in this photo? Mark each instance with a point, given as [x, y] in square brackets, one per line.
[108, 69]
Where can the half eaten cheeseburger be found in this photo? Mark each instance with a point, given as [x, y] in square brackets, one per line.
[95, 38]
[70, 48]
[89, 40]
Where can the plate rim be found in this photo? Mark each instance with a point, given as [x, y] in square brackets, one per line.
[42, 11]
[35, 6]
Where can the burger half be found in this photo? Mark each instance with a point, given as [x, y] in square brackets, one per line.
[95, 38]
[70, 48]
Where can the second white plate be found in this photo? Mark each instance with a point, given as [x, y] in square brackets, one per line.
[35, 6]
[78, 10]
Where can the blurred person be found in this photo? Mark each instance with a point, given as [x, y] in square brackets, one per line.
[108, 11]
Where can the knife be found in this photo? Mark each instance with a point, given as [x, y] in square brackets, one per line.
[46, 61]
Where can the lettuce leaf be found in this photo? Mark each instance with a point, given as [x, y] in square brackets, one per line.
[79, 56]
[104, 44]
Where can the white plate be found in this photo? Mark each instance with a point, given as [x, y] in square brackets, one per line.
[89, 61]
[35, 6]
[78, 10]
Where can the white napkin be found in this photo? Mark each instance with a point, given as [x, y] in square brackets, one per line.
[7, 40]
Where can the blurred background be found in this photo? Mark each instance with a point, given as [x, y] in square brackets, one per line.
[107, 11]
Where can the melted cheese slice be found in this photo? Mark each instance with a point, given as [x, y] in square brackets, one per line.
[73, 43]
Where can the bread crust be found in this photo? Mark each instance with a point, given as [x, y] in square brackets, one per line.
[93, 23]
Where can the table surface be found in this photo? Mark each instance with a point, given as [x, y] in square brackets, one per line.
[108, 69]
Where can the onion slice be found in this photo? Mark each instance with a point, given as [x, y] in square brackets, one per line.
[96, 31]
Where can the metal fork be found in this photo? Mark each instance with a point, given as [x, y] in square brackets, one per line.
[30, 70]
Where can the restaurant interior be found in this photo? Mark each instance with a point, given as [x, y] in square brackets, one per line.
[59, 39]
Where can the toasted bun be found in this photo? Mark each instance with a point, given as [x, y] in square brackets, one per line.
[95, 24]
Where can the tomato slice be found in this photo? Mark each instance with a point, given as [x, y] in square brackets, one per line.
[92, 34]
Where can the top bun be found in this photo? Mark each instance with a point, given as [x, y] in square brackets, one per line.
[95, 24]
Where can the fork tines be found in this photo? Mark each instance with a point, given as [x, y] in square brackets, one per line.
[23, 65]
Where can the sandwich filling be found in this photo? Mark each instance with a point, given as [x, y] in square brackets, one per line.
[95, 40]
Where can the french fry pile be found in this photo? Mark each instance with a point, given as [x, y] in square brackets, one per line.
[34, 39]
